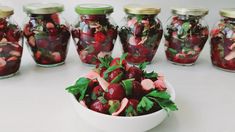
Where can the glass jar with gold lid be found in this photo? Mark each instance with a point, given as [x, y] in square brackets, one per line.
[47, 33]
[186, 33]
[11, 43]
[94, 32]
[141, 33]
[223, 41]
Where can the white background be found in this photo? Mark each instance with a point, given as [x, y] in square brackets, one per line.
[35, 99]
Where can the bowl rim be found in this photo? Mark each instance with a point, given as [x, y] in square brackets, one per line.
[170, 89]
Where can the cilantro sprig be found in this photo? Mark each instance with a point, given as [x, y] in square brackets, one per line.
[162, 98]
[79, 88]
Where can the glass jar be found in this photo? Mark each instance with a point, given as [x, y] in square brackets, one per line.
[223, 41]
[47, 34]
[141, 33]
[11, 43]
[94, 33]
[185, 35]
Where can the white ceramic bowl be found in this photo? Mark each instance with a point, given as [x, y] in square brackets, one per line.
[110, 123]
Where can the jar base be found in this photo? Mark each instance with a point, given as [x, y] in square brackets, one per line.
[227, 70]
[8, 76]
[50, 65]
[181, 64]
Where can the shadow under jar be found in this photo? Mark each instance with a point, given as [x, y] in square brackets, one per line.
[186, 34]
[11, 43]
[47, 34]
[94, 33]
[141, 33]
[223, 41]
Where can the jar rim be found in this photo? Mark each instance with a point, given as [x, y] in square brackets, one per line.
[93, 9]
[6, 11]
[227, 12]
[190, 11]
[43, 8]
[141, 9]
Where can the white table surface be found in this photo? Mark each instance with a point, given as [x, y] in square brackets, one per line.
[35, 100]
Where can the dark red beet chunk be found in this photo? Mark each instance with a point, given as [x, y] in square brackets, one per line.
[98, 106]
[115, 92]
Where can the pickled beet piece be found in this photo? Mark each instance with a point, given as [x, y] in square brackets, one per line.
[134, 72]
[97, 91]
[137, 90]
[112, 75]
[115, 92]
[100, 107]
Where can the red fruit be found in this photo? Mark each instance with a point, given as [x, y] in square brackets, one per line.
[115, 92]
[137, 90]
[112, 75]
[98, 106]
[97, 91]
[100, 37]
[53, 32]
[134, 72]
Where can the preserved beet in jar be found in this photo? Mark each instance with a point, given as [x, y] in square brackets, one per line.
[141, 33]
[185, 35]
[94, 33]
[223, 41]
[47, 34]
[11, 43]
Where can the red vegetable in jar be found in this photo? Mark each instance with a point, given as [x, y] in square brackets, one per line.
[11, 43]
[94, 33]
[141, 34]
[185, 35]
[47, 34]
[223, 41]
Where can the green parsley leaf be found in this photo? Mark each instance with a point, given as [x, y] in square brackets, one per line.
[142, 66]
[127, 84]
[110, 69]
[130, 111]
[150, 75]
[79, 88]
[144, 105]
[157, 94]
[114, 106]
[105, 62]
[173, 51]
[168, 105]
[102, 100]
[123, 57]
[117, 78]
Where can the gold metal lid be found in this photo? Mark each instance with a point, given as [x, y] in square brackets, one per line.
[6, 11]
[190, 11]
[141, 9]
[228, 12]
[43, 8]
